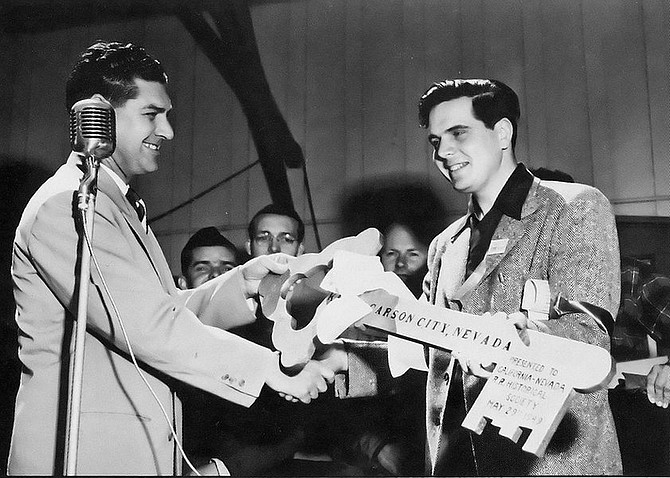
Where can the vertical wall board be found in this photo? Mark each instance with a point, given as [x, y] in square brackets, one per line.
[533, 123]
[473, 39]
[568, 146]
[294, 101]
[415, 158]
[628, 101]
[353, 90]
[383, 97]
[171, 185]
[656, 23]
[325, 107]
[20, 107]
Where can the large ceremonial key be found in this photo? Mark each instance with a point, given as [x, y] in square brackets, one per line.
[530, 386]
[292, 299]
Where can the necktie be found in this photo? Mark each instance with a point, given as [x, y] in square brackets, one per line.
[475, 255]
[137, 203]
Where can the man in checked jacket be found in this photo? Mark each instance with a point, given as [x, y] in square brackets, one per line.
[517, 228]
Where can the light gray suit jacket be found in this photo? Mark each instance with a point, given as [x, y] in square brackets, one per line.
[566, 236]
[123, 430]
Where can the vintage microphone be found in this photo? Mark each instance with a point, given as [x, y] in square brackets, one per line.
[92, 136]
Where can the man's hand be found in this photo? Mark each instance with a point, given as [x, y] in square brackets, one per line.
[658, 385]
[257, 268]
[334, 358]
[305, 386]
[523, 323]
[471, 365]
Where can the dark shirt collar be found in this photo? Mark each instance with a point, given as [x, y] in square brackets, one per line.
[513, 194]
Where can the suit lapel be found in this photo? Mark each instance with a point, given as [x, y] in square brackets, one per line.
[449, 262]
[146, 240]
[509, 230]
[447, 270]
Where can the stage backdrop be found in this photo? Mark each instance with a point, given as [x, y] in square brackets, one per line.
[592, 75]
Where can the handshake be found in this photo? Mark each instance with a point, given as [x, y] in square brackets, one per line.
[314, 377]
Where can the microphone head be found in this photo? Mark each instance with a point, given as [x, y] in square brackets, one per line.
[93, 128]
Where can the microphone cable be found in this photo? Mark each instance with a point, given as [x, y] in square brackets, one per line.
[130, 348]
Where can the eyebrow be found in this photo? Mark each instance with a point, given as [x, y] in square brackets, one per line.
[211, 262]
[450, 130]
[157, 108]
[280, 232]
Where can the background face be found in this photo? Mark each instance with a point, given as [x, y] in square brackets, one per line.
[209, 262]
[275, 233]
[403, 253]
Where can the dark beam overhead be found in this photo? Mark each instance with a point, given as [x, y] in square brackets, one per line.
[224, 31]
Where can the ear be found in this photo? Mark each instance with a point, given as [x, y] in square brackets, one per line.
[247, 246]
[505, 130]
[301, 249]
[181, 282]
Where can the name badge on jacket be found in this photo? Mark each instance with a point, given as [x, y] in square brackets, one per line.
[497, 246]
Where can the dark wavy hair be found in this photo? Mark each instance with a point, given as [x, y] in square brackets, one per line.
[492, 100]
[110, 69]
[207, 236]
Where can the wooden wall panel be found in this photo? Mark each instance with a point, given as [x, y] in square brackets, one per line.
[176, 167]
[532, 145]
[8, 58]
[565, 90]
[415, 159]
[656, 24]
[383, 96]
[593, 78]
[353, 89]
[324, 108]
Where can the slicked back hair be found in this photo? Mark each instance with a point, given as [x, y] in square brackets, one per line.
[110, 69]
[492, 100]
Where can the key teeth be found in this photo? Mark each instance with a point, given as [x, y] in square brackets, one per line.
[512, 432]
[475, 425]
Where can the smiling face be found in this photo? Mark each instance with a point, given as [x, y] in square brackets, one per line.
[474, 158]
[207, 262]
[141, 128]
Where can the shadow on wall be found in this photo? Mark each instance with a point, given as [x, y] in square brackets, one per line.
[19, 179]
[384, 200]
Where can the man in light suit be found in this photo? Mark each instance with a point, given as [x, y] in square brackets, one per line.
[517, 228]
[124, 427]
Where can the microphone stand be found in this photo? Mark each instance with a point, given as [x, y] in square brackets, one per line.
[86, 204]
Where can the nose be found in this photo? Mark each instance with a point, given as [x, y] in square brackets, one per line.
[400, 262]
[443, 151]
[165, 130]
[273, 246]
